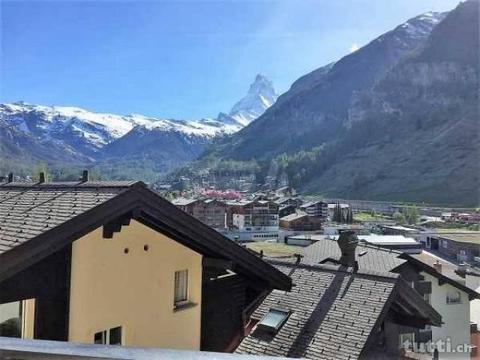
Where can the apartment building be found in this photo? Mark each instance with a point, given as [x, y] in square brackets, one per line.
[316, 208]
[253, 220]
[209, 211]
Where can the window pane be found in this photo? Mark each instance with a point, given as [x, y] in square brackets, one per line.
[116, 336]
[181, 286]
[100, 338]
[453, 297]
[273, 320]
[10, 319]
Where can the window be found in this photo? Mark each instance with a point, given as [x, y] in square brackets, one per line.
[427, 297]
[454, 297]
[273, 320]
[11, 319]
[109, 337]
[100, 337]
[17, 319]
[445, 243]
[181, 287]
[116, 336]
[407, 340]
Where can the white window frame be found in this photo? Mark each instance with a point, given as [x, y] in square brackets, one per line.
[106, 334]
[452, 301]
[180, 294]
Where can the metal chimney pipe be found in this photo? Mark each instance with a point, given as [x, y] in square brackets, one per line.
[85, 176]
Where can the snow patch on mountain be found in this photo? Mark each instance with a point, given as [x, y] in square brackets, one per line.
[96, 130]
[261, 95]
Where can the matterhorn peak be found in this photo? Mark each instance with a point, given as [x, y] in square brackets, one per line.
[261, 95]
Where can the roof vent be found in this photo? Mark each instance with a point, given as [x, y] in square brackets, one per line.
[438, 266]
[348, 242]
[85, 176]
[462, 269]
[273, 320]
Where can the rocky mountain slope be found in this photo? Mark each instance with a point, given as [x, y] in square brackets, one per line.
[316, 107]
[395, 120]
[118, 145]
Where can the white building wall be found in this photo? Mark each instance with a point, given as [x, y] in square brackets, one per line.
[238, 221]
[473, 282]
[455, 318]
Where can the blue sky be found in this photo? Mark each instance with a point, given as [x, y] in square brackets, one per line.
[178, 59]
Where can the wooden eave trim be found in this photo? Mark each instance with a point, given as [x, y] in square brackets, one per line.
[147, 206]
[210, 240]
[38, 248]
[442, 279]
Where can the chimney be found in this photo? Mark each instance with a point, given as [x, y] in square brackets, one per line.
[348, 242]
[85, 176]
[462, 269]
[10, 177]
[41, 177]
[438, 266]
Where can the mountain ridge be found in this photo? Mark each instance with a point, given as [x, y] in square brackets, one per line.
[95, 139]
[396, 120]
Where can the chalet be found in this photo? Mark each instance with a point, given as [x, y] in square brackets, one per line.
[285, 210]
[316, 208]
[209, 211]
[115, 263]
[300, 222]
[445, 291]
[253, 219]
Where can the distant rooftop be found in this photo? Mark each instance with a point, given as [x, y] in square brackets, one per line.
[448, 268]
[458, 235]
[368, 256]
[380, 240]
[401, 228]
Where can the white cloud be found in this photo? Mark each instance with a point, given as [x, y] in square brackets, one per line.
[354, 47]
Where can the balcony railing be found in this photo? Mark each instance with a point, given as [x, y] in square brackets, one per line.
[19, 349]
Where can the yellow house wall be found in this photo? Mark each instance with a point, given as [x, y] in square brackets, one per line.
[136, 290]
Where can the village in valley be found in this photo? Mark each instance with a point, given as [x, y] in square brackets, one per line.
[428, 245]
[269, 273]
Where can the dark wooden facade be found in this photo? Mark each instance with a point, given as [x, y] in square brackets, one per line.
[48, 282]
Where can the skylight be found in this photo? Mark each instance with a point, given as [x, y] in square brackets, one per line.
[273, 320]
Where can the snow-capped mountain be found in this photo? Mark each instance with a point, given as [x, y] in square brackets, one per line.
[90, 137]
[261, 95]
[90, 131]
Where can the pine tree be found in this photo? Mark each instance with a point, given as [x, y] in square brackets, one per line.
[349, 216]
[337, 214]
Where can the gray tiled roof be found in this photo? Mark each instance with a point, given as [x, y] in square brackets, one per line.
[333, 313]
[27, 210]
[368, 257]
